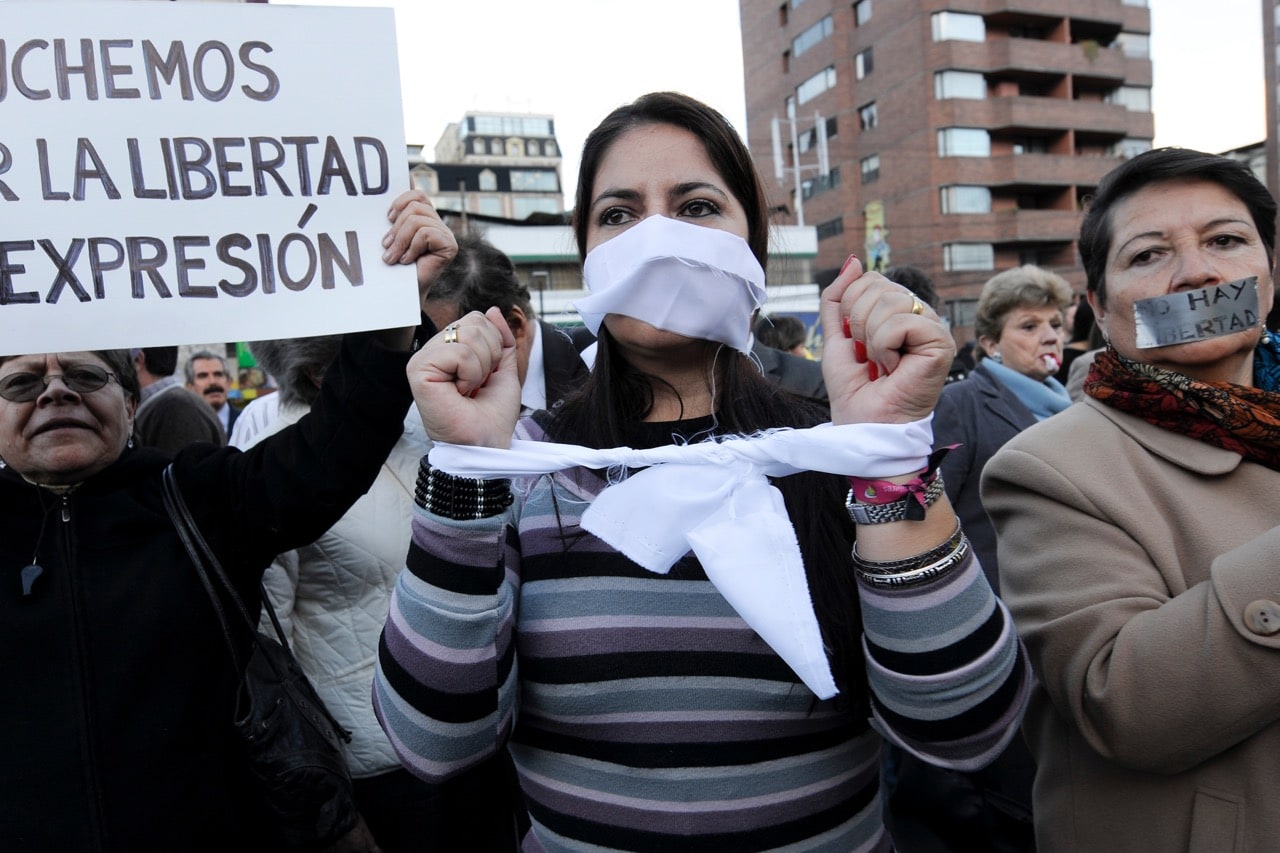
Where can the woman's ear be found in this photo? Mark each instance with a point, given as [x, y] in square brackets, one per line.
[1099, 313]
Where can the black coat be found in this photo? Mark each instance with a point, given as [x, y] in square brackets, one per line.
[115, 716]
[797, 374]
[980, 414]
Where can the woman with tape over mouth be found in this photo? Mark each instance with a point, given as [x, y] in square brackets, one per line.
[1018, 324]
[650, 596]
[1138, 536]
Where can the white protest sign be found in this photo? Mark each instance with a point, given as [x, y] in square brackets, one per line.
[175, 172]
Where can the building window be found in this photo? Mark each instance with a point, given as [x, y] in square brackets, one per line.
[959, 84]
[862, 64]
[966, 199]
[786, 62]
[814, 186]
[861, 12]
[523, 208]
[1127, 148]
[964, 142]
[1135, 98]
[532, 148]
[531, 180]
[783, 12]
[1133, 2]
[1135, 45]
[816, 85]
[830, 228]
[959, 257]
[477, 146]
[488, 181]
[1030, 145]
[870, 167]
[488, 205]
[511, 125]
[958, 26]
[867, 116]
[549, 149]
[515, 147]
[495, 146]
[962, 312]
[812, 36]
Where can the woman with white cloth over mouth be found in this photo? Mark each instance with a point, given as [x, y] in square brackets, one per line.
[651, 596]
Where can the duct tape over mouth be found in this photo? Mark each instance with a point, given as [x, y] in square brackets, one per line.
[1197, 315]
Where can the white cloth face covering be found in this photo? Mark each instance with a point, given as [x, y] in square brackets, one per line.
[689, 279]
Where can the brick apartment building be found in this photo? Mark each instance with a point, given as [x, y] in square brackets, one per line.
[963, 134]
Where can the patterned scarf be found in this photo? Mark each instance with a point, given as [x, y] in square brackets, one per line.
[1242, 419]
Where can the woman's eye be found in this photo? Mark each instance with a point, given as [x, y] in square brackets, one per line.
[1227, 240]
[614, 216]
[700, 208]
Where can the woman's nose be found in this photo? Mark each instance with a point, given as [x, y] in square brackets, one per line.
[1194, 269]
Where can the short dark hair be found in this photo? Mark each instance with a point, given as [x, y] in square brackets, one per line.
[479, 277]
[724, 147]
[915, 280]
[162, 361]
[780, 331]
[1167, 164]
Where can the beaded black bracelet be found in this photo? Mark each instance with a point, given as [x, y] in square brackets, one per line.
[460, 498]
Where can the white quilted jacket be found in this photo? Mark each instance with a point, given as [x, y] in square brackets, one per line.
[332, 596]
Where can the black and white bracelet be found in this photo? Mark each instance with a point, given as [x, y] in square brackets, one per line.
[460, 498]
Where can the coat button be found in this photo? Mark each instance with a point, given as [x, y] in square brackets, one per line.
[1262, 617]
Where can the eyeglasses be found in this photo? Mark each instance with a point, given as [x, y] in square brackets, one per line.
[80, 378]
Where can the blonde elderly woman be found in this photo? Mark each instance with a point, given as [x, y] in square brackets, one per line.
[1139, 546]
[1019, 327]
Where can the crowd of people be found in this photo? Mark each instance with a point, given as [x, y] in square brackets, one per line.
[693, 586]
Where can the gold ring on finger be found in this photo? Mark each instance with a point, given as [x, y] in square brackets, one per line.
[917, 307]
[451, 333]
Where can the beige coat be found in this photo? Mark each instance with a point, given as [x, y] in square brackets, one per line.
[1143, 571]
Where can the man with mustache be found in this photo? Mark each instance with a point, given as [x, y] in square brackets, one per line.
[207, 377]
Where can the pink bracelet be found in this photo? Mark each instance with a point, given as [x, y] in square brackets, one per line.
[875, 492]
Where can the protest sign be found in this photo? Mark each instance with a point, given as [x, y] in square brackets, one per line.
[172, 172]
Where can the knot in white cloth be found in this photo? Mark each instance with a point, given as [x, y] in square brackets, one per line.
[714, 498]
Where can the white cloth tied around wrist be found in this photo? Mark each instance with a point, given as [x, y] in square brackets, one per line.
[713, 498]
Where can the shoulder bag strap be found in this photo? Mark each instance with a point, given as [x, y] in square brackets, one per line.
[202, 555]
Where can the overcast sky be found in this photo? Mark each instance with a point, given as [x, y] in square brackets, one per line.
[578, 59]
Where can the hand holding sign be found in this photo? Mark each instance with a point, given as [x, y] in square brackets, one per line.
[418, 236]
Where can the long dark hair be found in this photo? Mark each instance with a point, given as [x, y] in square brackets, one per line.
[617, 394]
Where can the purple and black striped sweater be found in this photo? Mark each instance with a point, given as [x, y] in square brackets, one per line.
[643, 714]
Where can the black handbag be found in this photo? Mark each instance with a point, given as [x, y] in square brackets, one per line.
[291, 740]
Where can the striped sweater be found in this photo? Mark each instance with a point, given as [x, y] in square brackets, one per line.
[643, 714]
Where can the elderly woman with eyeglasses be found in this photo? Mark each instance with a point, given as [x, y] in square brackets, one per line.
[115, 717]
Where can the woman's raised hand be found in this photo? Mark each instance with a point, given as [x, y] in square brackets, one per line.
[466, 383]
[885, 354]
[418, 236]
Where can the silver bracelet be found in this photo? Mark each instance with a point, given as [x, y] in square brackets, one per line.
[913, 577]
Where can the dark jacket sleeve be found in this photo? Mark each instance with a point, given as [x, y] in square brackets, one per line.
[288, 489]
